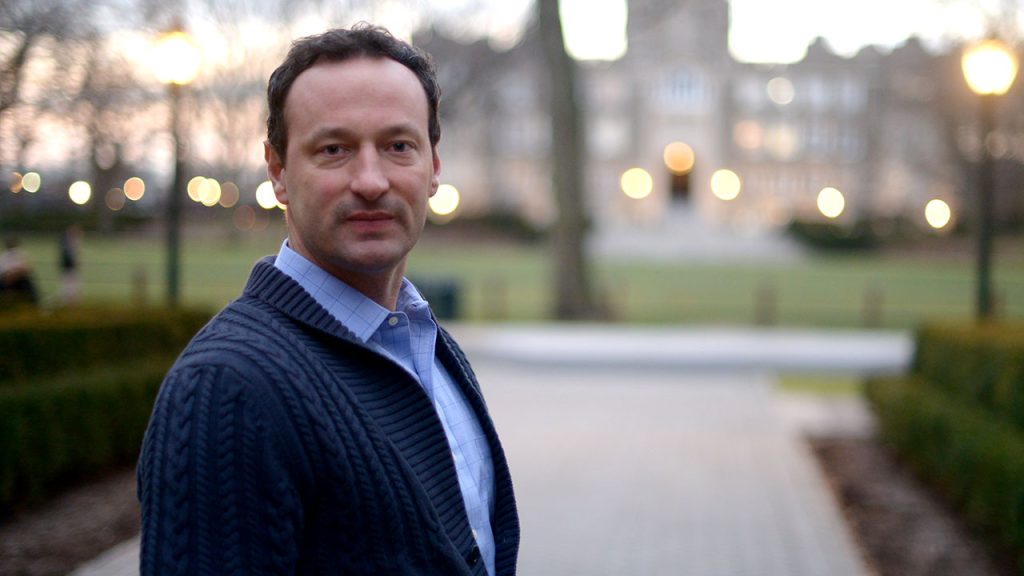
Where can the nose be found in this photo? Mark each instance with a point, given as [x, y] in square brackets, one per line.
[368, 179]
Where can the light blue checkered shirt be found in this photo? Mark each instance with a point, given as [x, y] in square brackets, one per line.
[407, 336]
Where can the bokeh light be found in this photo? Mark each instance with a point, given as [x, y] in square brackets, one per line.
[31, 182]
[134, 188]
[636, 183]
[176, 58]
[782, 141]
[194, 187]
[938, 214]
[725, 184]
[265, 196]
[115, 199]
[831, 202]
[781, 90]
[80, 192]
[990, 67]
[209, 192]
[229, 194]
[445, 201]
[244, 217]
[748, 134]
[15, 184]
[679, 157]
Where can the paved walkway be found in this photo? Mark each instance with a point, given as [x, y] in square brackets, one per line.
[690, 348]
[660, 451]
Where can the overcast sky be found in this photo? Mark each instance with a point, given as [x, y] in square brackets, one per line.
[781, 30]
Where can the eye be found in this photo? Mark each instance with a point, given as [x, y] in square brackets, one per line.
[331, 149]
[401, 146]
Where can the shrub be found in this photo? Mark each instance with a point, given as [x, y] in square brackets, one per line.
[828, 236]
[500, 224]
[35, 343]
[54, 433]
[975, 459]
[978, 363]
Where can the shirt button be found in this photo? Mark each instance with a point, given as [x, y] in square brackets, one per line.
[474, 556]
[393, 321]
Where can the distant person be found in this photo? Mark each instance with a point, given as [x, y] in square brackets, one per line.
[323, 423]
[16, 283]
[70, 240]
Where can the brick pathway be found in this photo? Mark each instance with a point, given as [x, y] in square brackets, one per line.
[668, 473]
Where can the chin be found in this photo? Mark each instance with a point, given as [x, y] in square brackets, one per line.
[375, 262]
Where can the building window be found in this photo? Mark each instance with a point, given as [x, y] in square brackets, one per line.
[749, 93]
[854, 95]
[683, 90]
[818, 94]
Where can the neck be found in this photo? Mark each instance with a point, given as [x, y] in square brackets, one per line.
[382, 287]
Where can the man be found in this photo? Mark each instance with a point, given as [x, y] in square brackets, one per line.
[323, 423]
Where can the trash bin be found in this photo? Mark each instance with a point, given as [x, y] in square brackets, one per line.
[442, 294]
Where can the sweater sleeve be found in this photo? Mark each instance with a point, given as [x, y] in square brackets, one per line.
[217, 479]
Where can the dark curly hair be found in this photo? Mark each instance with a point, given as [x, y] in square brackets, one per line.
[362, 40]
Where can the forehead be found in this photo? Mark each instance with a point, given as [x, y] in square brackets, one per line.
[353, 88]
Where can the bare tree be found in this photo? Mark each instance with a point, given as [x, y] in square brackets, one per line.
[25, 27]
[959, 111]
[104, 103]
[1000, 17]
[574, 298]
[229, 98]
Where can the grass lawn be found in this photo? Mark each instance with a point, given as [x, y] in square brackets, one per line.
[821, 385]
[498, 282]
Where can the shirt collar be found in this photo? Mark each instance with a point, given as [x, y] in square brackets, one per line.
[349, 306]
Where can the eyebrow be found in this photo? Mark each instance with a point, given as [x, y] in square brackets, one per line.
[343, 133]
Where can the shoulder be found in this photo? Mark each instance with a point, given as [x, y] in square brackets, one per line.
[242, 349]
[249, 354]
[229, 382]
[255, 347]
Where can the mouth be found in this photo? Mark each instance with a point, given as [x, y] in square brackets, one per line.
[370, 216]
[370, 221]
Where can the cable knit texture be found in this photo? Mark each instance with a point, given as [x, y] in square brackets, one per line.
[281, 445]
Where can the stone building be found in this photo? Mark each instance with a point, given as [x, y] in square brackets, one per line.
[884, 128]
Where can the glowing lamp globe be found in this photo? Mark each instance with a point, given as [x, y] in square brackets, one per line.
[176, 58]
[989, 67]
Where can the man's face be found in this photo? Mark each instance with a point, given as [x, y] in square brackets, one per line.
[359, 166]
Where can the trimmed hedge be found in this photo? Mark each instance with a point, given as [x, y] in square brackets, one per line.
[983, 364]
[828, 236]
[76, 390]
[959, 420]
[56, 433]
[976, 459]
[36, 343]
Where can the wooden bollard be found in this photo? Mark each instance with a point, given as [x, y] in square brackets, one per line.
[495, 298]
[765, 304]
[874, 301]
[139, 287]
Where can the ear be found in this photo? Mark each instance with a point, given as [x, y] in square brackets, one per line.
[275, 171]
[435, 179]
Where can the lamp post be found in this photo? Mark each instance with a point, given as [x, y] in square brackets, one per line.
[989, 68]
[176, 64]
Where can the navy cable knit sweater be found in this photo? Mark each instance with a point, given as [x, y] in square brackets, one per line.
[279, 444]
